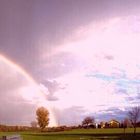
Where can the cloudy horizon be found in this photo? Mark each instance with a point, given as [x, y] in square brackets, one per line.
[77, 58]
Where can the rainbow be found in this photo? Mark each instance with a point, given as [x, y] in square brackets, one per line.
[18, 68]
[31, 80]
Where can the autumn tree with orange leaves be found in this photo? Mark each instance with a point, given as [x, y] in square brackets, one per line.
[42, 117]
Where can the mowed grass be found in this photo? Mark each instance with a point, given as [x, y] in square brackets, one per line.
[80, 134]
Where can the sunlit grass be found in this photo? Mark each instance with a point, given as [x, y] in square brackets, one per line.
[80, 134]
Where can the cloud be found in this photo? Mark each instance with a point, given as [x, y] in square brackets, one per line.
[111, 113]
[50, 88]
[60, 54]
[108, 71]
[14, 108]
[69, 116]
[50, 97]
[37, 33]
[122, 91]
[58, 64]
[109, 57]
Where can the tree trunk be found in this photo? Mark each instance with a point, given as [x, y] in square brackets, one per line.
[4, 138]
[134, 130]
[124, 131]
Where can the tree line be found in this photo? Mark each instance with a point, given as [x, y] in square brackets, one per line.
[133, 117]
[42, 120]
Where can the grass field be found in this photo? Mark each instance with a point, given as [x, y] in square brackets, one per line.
[80, 134]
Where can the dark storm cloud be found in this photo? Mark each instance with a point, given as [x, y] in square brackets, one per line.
[26, 24]
[31, 28]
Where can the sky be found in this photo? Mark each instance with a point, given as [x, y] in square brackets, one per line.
[77, 58]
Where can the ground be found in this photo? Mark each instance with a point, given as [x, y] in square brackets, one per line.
[80, 134]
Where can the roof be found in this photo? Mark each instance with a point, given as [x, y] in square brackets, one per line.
[114, 121]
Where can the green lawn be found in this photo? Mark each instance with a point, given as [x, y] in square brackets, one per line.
[80, 134]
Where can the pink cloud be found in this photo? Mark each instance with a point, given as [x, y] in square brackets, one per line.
[116, 38]
[106, 48]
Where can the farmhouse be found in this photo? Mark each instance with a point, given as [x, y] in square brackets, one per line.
[114, 124]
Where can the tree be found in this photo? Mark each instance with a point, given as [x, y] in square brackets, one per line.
[134, 115]
[42, 117]
[125, 123]
[88, 121]
[34, 124]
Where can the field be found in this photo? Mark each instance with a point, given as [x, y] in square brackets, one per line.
[80, 134]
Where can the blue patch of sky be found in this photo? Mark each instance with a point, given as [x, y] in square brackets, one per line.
[124, 85]
[122, 82]
[103, 77]
[107, 116]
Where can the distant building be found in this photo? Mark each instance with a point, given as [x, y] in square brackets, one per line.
[102, 124]
[114, 124]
